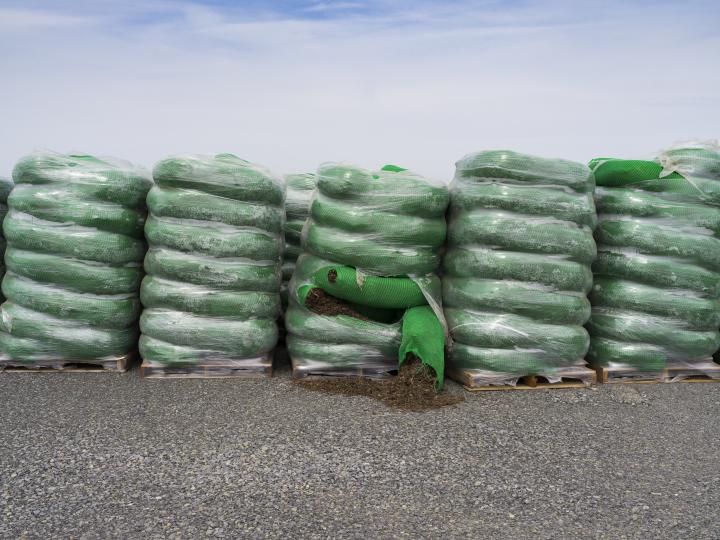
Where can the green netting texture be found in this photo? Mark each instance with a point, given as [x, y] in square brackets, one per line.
[215, 235]
[298, 196]
[517, 267]
[656, 297]
[372, 291]
[75, 246]
[374, 240]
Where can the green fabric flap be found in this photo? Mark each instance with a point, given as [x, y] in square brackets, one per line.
[423, 336]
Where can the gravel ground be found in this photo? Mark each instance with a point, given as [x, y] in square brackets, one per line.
[114, 456]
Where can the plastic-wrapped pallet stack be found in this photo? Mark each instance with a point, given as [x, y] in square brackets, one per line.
[75, 247]
[364, 294]
[300, 189]
[212, 293]
[517, 268]
[6, 186]
[656, 297]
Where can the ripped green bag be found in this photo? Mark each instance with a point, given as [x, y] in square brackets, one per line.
[365, 296]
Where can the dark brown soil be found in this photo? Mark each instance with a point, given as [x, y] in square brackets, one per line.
[413, 389]
[322, 303]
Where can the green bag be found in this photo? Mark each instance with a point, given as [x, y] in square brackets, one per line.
[212, 290]
[517, 267]
[373, 243]
[656, 298]
[75, 249]
[300, 188]
[6, 186]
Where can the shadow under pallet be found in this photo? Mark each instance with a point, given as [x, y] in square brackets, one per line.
[483, 381]
[118, 364]
[702, 372]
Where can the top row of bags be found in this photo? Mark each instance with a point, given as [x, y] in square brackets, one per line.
[506, 282]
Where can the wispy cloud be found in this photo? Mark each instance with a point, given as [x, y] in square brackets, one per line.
[294, 83]
[334, 6]
[28, 19]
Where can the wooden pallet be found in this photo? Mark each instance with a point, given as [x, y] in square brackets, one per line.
[208, 370]
[706, 372]
[571, 377]
[118, 365]
[315, 372]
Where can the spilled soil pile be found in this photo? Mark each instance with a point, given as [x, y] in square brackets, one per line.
[322, 303]
[413, 389]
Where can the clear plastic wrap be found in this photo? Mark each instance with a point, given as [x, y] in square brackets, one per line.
[656, 297]
[373, 240]
[300, 188]
[75, 247]
[6, 186]
[212, 290]
[517, 267]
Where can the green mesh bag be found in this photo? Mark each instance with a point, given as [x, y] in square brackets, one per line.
[74, 228]
[300, 188]
[656, 297]
[373, 243]
[517, 267]
[212, 290]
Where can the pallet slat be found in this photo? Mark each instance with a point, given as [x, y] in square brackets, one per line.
[317, 371]
[209, 370]
[116, 365]
[571, 377]
[706, 372]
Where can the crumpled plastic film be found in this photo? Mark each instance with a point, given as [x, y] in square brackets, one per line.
[75, 247]
[6, 186]
[517, 268]
[656, 298]
[374, 240]
[300, 188]
[212, 290]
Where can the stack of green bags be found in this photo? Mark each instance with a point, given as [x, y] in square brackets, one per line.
[212, 290]
[299, 193]
[373, 241]
[74, 255]
[656, 297]
[6, 186]
[517, 268]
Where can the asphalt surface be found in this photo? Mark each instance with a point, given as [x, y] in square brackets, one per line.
[115, 456]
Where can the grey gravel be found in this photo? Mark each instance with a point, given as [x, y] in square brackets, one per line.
[115, 456]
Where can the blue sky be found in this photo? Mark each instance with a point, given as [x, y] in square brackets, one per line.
[293, 83]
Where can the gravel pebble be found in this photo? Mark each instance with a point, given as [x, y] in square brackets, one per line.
[114, 456]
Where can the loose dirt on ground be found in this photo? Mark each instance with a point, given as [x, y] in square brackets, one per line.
[413, 389]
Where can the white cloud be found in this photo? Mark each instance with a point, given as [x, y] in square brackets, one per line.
[16, 19]
[419, 88]
[333, 6]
